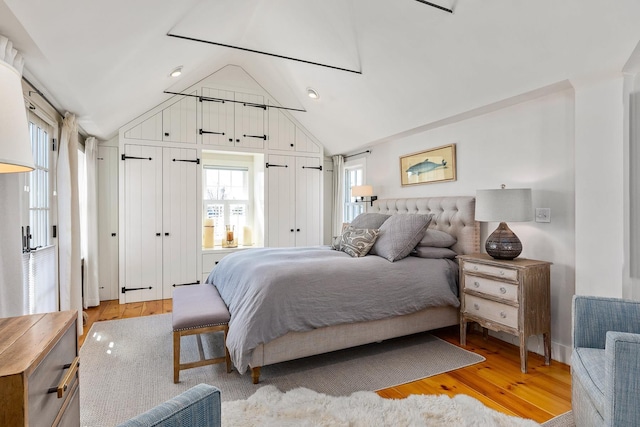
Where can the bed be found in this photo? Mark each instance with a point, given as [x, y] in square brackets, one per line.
[361, 314]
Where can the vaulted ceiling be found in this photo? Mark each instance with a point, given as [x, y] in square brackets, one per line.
[109, 61]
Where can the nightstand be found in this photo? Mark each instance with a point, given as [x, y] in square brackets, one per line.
[509, 296]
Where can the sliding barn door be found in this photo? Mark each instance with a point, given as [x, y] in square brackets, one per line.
[142, 224]
[180, 225]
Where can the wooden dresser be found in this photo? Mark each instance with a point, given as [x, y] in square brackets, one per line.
[39, 382]
[509, 296]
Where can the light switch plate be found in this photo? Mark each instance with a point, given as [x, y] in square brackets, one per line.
[543, 214]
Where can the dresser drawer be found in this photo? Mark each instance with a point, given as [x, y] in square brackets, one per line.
[503, 273]
[491, 310]
[210, 260]
[495, 288]
[44, 403]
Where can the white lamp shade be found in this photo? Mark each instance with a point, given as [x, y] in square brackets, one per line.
[15, 144]
[504, 205]
[362, 191]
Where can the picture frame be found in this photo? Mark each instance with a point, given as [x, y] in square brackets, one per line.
[429, 166]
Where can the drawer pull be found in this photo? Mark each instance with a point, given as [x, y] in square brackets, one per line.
[501, 273]
[476, 306]
[67, 379]
[503, 290]
[475, 267]
[476, 284]
[503, 314]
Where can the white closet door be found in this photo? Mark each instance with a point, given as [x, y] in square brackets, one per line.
[281, 226]
[307, 206]
[143, 223]
[180, 227]
[108, 222]
[218, 124]
[179, 121]
[250, 129]
[282, 131]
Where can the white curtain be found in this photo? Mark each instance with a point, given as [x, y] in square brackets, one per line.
[91, 283]
[11, 274]
[338, 195]
[69, 219]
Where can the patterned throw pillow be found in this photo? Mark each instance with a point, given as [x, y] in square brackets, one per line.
[358, 241]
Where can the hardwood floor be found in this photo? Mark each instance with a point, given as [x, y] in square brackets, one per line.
[541, 394]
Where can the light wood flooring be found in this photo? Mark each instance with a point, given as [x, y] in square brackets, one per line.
[541, 394]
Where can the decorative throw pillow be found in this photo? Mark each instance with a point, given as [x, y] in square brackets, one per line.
[358, 241]
[433, 252]
[399, 235]
[437, 239]
[369, 220]
[335, 242]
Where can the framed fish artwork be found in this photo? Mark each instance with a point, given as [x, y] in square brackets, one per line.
[426, 167]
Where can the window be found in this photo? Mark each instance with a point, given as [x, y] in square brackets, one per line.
[39, 256]
[226, 198]
[353, 175]
[38, 186]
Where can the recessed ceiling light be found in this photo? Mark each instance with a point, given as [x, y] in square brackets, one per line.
[176, 72]
[312, 93]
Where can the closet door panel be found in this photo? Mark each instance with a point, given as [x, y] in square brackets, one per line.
[218, 117]
[107, 172]
[143, 223]
[281, 200]
[282, 131]
[179, 121]
[150, 129]
[304, 143]
[250, 129]
[307, 206]
[179, 217]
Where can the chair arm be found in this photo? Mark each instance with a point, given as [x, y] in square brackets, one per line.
[622, 379]
[594, 316]
[198, 407]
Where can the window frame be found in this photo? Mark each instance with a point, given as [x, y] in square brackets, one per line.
[351, 208]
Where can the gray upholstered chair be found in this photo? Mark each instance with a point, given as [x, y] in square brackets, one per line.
[605, 364]
[197, 407]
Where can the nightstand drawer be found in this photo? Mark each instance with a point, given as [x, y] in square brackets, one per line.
[502, 290]
[503, 273]
[491, 310]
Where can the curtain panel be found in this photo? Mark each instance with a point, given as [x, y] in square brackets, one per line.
[91, 257]
[338, 195]
[69, 219]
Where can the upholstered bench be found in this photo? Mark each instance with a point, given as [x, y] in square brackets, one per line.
[198, 309]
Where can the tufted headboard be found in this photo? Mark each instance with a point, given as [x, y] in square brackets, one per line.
[454, 215]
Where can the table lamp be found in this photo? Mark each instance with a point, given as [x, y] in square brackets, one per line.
[502, 205]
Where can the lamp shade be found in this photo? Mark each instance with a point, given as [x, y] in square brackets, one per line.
[15, 144]
[504, 205]
[362, 191]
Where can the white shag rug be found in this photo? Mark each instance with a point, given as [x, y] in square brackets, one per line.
[302, 407]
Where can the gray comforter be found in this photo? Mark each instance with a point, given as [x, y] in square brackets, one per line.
[272, 291]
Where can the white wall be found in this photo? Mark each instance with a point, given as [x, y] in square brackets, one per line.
[527, 145]
[600, 187]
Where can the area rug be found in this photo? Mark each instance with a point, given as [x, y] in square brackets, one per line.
[304, 407]
[563, 420]
[127, 368]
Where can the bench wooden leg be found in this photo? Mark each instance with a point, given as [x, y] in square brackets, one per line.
[226, 350]
[255, 374]
[176, 357]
